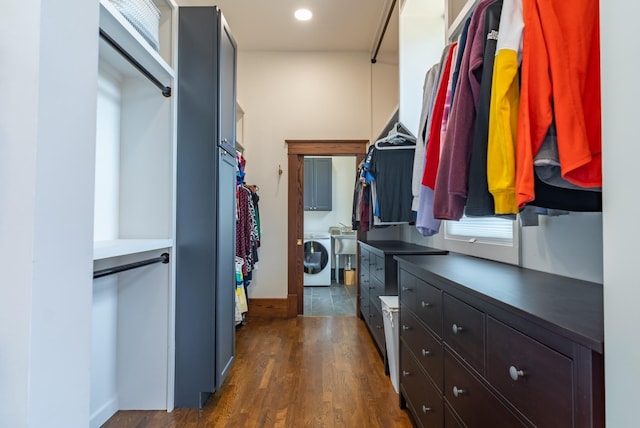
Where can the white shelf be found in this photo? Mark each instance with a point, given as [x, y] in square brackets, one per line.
[123, 247]
[124, 34]
[458, 22]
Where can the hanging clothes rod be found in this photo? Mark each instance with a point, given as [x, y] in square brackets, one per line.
[384, 30]
[166, 90]
[164, 258]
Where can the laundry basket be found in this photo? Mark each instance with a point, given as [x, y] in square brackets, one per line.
[390, 309]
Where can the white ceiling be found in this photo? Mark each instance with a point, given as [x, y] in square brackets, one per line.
[337, 25]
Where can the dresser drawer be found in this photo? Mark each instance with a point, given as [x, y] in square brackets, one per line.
[408, 290]
[376, 326]
[375, 291]
[364, 306]
[377, 270]
[429, 306]
[450, 420]
[423, 399]
[464, 331]
[473, 402]
[425, 347]
[535, 378]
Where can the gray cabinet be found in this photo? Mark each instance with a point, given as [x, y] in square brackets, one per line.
[317, 184]
[205, 205]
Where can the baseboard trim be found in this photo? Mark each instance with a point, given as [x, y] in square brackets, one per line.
[269, 308]
[104, 413]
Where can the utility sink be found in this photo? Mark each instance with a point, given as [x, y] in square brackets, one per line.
[344, 243]
[341, 231]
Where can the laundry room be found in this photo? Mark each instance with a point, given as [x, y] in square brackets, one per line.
[329, 241]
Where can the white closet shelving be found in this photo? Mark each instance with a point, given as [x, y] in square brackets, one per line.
[134, 219]
[239, 127]
[456, 12]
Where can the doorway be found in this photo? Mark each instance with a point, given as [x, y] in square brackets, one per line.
[329, 243]
[296, 151]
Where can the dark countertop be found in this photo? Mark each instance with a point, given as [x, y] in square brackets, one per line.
[400, 247]
[570, 307]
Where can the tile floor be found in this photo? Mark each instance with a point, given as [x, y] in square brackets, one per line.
[335, 300]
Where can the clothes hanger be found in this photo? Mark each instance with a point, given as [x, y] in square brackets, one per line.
[394, 133]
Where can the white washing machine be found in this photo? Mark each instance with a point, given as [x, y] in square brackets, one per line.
[317, 259]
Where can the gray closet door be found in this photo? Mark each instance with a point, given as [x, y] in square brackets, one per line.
[226, 270]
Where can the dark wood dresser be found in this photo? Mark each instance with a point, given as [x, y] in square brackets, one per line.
[486, 344]
[378, 276]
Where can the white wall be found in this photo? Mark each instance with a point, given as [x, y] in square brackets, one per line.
[620, 112]
[385, 95]
[421, 43]
[294, 96]
[46, 210]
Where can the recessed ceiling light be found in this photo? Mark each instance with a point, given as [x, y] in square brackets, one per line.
[303, 14]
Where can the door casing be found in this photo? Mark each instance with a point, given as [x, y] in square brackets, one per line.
[296, 151]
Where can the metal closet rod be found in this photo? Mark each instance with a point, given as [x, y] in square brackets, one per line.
[384, 30]
[164, 258]
[166, 90]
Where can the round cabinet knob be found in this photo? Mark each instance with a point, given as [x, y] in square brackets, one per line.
[406, 289]
[405, 328]
[458, 392]
[425, 409]
[379, 327]
[456, 328]
[425, 352]
[425, 304]
[515, 373]
[405, 373]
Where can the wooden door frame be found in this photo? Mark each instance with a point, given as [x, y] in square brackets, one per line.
[296, 151]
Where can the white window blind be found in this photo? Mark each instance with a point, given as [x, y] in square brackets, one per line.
[487, 237]
[484, 229]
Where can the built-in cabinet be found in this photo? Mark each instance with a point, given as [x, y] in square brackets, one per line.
[488, 344]
[205, 217]
[317, 184]
[378, 277]
[132, 347]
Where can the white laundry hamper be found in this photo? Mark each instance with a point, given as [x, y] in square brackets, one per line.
[390, 310]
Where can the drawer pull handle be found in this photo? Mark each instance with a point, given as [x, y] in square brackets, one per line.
[425, 409]
[405, 328]
[405, 373]
[379, 327]
[425, 304]
[406, 289]
[515, 373]
[425, 352]
[456, 329]
[458, 392]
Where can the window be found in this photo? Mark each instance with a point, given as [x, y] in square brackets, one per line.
[487, 237]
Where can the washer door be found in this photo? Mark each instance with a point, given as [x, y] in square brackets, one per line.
[316, 257]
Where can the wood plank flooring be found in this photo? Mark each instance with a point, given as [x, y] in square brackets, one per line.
[320, 372]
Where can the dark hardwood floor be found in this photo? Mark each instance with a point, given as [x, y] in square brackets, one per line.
[299, 372]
